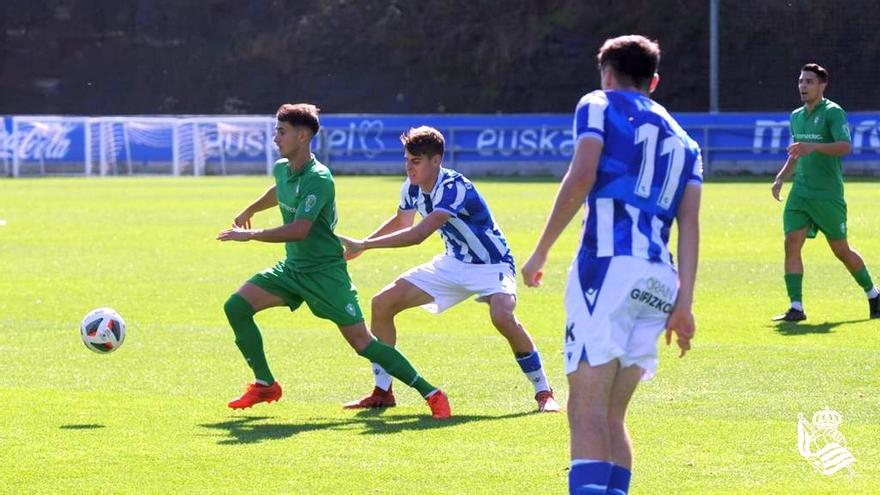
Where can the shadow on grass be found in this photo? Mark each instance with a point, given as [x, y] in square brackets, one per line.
[252, 429]
[788, 328]
[377, 424]
[91, 426]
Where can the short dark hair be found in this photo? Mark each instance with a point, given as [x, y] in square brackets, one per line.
[423, 140]
[632, 57]
[817, 69]
[300, 114]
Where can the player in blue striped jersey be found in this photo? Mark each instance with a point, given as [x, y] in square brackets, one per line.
[637, 171]
[477, 261]
[470, 233]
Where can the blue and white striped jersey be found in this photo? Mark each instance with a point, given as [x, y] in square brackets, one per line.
[470, 234]
[647, 160]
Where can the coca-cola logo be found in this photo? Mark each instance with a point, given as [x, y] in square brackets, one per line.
[37, 141]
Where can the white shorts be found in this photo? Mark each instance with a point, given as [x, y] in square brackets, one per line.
[616, 308]
[450, 281]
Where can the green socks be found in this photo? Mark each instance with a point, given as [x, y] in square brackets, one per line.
[863, 278]
[247, 337]
[794, 285]
[397, 366]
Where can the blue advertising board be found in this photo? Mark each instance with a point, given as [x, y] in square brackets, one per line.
[216, 144]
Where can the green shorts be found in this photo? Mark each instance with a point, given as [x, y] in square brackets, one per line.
[329, 293]
[827, 215]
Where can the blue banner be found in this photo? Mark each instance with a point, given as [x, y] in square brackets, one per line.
[44, 139]
[225, 144]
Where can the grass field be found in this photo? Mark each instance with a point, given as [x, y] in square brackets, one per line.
[152, 417]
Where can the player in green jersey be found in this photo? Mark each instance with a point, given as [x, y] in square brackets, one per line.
[820, 136]
[313, 271]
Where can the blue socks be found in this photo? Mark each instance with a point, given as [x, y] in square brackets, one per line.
[530, 364]
[591, 477]
[588, 477]
[618, 483]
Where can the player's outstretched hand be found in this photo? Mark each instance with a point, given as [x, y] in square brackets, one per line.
[353, 248]
[776, 190]
[681, 322]
[533, 270]
[243, 220]
[235, 234]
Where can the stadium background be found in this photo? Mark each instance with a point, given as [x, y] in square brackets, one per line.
[91, 57]
[151, 418]
[498, 78]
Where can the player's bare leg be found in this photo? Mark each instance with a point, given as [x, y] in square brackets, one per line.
[393, 299]
[259, 298]
[501, 307]
[588, 407]
[501, 311]
[794, 243]
[794, 275]
[625, 383]
[396, 297]
[847, 255]
[856, 266]
[358, 336]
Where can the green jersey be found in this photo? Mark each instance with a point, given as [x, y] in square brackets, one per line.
[309, 194]
[819, 176]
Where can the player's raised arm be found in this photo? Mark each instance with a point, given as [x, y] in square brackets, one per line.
[681, 320]
[569, 199]
[267, 200]
[409, 236]
[403, 219]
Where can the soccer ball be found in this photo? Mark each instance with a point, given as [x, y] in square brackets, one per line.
[102, 330]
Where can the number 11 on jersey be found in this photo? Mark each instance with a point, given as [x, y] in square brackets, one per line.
[646, 134]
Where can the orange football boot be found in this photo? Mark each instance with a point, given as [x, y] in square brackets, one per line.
[377, 398]
[255, 394]
[439, 404]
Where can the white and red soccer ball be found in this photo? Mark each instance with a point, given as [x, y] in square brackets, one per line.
[102, 330]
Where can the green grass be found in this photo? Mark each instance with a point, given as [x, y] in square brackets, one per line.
[151, 418]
